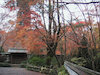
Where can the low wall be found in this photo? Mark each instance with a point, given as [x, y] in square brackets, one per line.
[79, 70]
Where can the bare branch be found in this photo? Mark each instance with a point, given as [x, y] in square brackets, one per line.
[79, 2]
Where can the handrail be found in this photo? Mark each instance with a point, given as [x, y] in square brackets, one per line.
[79, 69]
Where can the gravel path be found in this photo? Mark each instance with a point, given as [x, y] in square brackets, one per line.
[16, 71]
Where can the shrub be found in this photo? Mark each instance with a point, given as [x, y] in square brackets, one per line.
[62, 71]
[23, 64]
[54, 61]
[97, 61]
[98, 55]
[53, 72]
[79, 61]
[37, 61]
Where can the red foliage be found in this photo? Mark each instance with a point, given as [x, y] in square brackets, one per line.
[26, 36]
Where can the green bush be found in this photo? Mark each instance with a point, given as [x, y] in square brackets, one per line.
[62, 71]
[37, 61]
[54, 61]
[97, 61]
[98, 55]
[53, 72]
[79, 61]
[23, 64]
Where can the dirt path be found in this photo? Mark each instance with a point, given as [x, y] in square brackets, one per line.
[16, 71]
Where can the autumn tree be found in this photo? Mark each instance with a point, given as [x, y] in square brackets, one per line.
[6, 23]
[88, 31]
[52, 33]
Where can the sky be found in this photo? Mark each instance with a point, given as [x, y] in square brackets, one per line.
[1, 1]
[7, 17]
[73, 8]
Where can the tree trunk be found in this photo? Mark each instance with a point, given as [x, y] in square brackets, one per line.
[51, 52]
